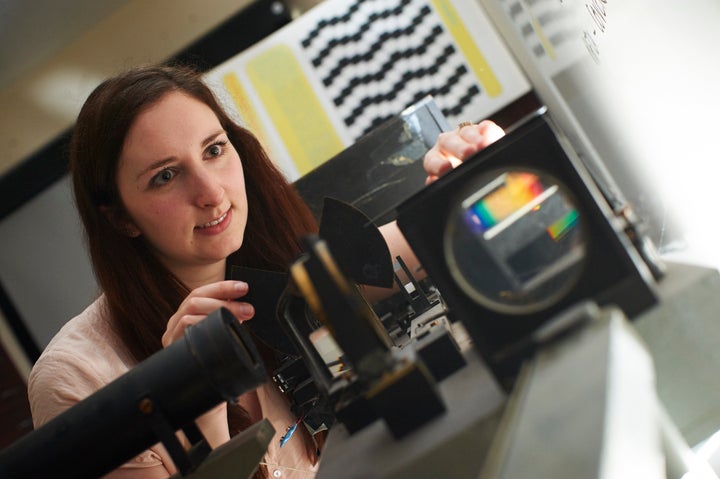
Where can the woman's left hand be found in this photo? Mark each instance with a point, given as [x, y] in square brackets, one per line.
[204, 300]
[454, 147]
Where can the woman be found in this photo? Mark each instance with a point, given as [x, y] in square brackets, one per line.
[170, 192]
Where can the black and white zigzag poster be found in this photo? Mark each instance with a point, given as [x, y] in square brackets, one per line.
[317, 85]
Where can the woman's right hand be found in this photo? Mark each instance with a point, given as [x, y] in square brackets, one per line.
[454, 147]
[203, 301]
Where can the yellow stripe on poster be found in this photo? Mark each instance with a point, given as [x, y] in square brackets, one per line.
[294, 108]
[242, 103]
[477, 60]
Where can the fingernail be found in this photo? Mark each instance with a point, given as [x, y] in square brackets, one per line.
[241, 285]
[247, 309]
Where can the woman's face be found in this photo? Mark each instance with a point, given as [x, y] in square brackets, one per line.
[182, 184]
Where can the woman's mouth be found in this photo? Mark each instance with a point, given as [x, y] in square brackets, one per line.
[214, 222]
[216, 226]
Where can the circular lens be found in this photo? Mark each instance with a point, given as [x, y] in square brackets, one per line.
[514, 241]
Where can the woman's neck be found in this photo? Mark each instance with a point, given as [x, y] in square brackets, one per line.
[196, 276]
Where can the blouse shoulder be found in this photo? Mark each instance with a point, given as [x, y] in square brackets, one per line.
[82, 357]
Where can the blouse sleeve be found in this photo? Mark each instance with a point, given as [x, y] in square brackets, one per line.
[60, 380]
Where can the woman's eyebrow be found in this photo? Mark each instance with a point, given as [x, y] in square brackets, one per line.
[154, 166]
[160, 163]
[212, 137]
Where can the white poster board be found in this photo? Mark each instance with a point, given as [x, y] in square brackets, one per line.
[317, 85]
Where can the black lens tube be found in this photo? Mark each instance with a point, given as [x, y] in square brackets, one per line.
[216, 361]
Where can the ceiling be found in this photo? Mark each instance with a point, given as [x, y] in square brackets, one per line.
[31, 31]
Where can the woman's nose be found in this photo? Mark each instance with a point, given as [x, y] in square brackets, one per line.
[208, 189]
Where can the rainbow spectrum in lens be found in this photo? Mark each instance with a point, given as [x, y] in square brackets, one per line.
[559, 228]
[516, 191]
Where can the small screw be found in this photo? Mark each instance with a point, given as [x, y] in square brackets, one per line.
[145, 406]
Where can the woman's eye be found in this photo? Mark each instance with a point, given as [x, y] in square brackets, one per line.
[162, 178]
[216, 149]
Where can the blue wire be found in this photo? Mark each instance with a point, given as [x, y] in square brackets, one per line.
[288, 434]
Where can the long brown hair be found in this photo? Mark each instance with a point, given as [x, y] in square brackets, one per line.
[141, 293]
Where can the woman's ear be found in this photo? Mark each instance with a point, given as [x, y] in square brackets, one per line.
[120, 221]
